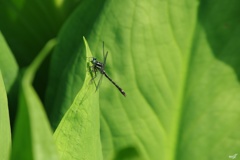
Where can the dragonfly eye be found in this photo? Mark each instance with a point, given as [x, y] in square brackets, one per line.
[94, 60]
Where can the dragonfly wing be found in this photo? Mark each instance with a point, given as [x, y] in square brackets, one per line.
[104, 57]
[99, 82]
[103, 48]
[104, 60]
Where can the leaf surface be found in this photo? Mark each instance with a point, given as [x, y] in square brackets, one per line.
[67, 71]
[178, 63]
[5, 130]
[78, 134]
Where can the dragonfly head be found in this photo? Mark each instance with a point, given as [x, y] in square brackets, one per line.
[94, 60]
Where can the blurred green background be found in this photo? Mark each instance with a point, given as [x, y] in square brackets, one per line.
[177, 60]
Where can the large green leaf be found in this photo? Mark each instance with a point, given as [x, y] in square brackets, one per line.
[32, 135]
[77, 136]
[5, 132]
[177, 62]
[67, 70]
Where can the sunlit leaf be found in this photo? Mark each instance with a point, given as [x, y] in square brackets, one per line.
[78, 134]
[178, 63]
[66, 75]
[5, 132]
[182, 93]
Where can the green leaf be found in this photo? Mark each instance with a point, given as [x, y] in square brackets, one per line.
[178, 62]
[5, 131]
[33, 136]
[78, 134]
[66, 75]
[8, 64]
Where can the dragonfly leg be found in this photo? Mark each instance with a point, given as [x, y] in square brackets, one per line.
[94, 76]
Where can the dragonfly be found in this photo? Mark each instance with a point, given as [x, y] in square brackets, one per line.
[99, 66]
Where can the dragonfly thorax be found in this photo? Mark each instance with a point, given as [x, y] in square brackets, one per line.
[97, 65]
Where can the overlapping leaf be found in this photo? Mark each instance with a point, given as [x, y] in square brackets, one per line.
[78, 134]
[182, 100]
[178, 62]
[5, 131]
[8, 64]
[33, 136]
